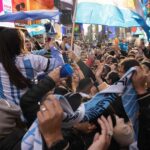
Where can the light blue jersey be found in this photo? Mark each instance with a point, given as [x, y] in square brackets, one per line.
[29, 65]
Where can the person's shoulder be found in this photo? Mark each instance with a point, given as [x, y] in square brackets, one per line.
[24, 55]
[30, 56]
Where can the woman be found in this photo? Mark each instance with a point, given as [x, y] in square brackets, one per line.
[17, 66]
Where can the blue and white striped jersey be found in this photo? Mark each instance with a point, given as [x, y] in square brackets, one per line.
[29, 65]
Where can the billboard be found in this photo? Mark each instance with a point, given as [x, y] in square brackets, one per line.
[66, 4]
[6, 7]
[19, 5]
[41, 4]
[23, 5]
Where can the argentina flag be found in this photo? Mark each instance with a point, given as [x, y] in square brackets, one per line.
[118, 13]
[124, 13]
[35, 29]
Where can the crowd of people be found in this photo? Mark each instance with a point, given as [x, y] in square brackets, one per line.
[30, 82]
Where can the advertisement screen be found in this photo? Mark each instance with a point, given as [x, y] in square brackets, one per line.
[41, 4]
[19, 5]
[6, 7]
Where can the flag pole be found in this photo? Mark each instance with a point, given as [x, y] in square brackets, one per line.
[73, 26]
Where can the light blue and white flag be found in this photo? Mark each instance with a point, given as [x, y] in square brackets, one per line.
[55, 53]
[124, 13]
[35, 29]
[118, 13]
[90, 110]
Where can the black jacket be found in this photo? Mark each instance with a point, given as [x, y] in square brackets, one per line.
[13, 140]
[29, 101]
[144, 122]
[146, 52]
[86, 70]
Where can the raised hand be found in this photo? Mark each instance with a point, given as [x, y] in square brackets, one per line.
[50, 118]
[102, 141]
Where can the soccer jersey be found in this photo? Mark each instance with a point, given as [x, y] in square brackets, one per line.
[29, 65]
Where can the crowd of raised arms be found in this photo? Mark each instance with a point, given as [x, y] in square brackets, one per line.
[32, 91]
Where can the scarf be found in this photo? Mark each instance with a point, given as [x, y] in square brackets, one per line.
[89, 110]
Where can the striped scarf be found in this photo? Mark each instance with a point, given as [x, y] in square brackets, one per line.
[89, 110]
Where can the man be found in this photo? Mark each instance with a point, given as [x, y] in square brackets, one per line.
[64, 41]
[38, 51]
[64, 46]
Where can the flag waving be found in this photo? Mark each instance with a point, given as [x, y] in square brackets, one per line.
[122, 13]
[119, 13]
